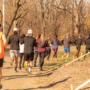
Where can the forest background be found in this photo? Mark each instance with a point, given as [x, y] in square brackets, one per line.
[50, 17]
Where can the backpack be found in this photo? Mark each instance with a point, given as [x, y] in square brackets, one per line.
[42, 43]
[1, 46]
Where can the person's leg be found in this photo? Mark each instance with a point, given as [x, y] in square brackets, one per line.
[49, 52]
[0, 77]
[56, 54]
[12, 54]
[77, 53]
[68, 51]
[31, 57]
[1, 65]
[39, 53]
[23, 60]
[36, 56]
[0, 73]
[16, 63]
[65, 49]
[86, 52]
[21, 55]
[42, 59]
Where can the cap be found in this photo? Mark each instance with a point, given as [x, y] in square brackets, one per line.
[30, 31]
[15, 29]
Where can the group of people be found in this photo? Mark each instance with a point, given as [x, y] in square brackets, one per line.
[29, 48]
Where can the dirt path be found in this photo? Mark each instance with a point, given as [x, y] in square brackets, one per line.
[20, 80]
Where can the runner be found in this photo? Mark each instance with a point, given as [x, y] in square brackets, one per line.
[36, 51]
[48, 49]
[14, 47]
[87, 42]
[21, 52]
[29, 43]
[3, 45]
[55, 44]
[66, 41]
[42, 44]
[78, 43]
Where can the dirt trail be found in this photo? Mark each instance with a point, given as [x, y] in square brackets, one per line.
[20, 80]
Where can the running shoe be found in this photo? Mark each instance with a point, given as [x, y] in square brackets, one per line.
[34, 65]
[26, 66]
[63, 57]
[11, 63]
[47, 59]
[0, 86]
[66, 61]
[29, 73]
[16, 71]
[73, 56]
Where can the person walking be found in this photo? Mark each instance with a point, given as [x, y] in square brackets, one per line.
[42, 44]
[21, 52]
[87, 43]
[78, 43]
[29, 43]
[36, 51]
[3, 45]
[66, 41]
[55, 44]
[48, 49]
[14, 40]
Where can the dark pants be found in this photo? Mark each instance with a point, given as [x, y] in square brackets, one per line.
[87, 49]
[78, 50]
[55, 52]
[36, 56]
[41, 59]
[48, 52]
[21, 56]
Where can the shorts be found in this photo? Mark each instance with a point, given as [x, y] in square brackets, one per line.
[29, 56]
[14, 53]
[1, 62]
[66, 49]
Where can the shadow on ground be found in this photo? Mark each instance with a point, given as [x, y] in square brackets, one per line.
[44, 87]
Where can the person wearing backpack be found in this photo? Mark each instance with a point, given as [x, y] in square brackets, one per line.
[42, 44]
[3, 45]
[55, 42]
[21, 51]
[87, 42]
[14, 41]
[36, 51]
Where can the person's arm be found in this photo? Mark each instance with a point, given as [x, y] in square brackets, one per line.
[82, 42]
[9, 40]
[59, 42]
[75, 41]
[35, 43]
[52, 42]
[4, 40]
[62, 41]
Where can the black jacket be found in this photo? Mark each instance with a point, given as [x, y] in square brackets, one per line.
[87, 42]
[14, 42]
[78, 42]
[29, 43]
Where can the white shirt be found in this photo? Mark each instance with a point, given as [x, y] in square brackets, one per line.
[21, 48]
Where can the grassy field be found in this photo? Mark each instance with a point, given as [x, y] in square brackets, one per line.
[54, 64]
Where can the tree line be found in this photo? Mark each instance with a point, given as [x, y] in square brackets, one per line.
[50, 17]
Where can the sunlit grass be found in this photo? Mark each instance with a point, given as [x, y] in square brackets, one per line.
[54, 64]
